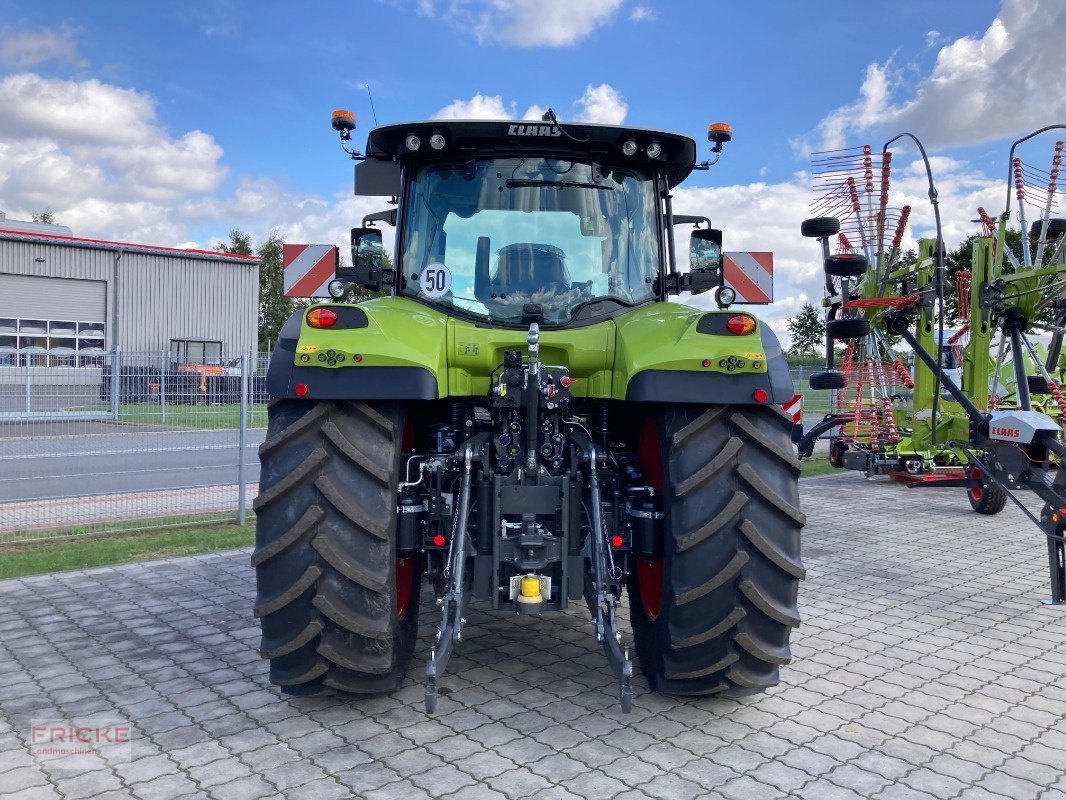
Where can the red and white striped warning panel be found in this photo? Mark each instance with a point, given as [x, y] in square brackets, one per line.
[794, 407]
[750, 275]
[308, 269]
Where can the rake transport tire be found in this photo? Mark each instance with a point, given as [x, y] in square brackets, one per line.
[714, 615]
[338, 610]
[987, 498]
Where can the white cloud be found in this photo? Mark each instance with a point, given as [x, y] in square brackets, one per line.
[529, 23]
[95, 154]
[643, 13]
[477, 107]
[603, 104]
[1003, 82]
[71, 111]
[21, 48]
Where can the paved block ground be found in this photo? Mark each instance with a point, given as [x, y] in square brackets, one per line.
[925, 668]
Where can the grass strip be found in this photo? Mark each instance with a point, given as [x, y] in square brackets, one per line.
[58, 555]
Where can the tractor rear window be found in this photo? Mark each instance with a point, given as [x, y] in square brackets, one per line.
[493, 237]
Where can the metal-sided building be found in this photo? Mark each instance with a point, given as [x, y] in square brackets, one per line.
[65, 300]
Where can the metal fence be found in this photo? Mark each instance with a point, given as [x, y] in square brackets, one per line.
[126, 441]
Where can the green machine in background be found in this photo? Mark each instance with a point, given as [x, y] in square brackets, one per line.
[961, 417]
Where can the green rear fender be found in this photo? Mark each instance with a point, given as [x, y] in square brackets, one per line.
[384, 348]
[668, 352]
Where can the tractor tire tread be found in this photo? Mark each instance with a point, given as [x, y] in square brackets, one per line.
[310, 631]
[306, 523]
[302, 584]
[325, 554]
[724, 517]
[308, 466]
[731, 570]
[726, 456]
[732, 559]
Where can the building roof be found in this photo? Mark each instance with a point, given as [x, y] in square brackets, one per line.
[103, 244]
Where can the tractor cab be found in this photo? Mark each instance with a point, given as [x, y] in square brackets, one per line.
[510, 223]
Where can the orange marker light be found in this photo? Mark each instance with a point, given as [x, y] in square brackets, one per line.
[720, 132]
[740, 325]
[321, 317]
[342, 120]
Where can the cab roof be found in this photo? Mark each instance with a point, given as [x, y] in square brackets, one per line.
[480, 138]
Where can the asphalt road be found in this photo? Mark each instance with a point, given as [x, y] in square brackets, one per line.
[54, 466]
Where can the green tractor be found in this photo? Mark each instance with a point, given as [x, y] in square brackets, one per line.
[520, 415]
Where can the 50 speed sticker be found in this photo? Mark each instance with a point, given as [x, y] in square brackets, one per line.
[435, 281]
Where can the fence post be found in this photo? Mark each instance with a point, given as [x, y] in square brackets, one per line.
[116, 379]
[163, 388]
[246, 361]
[29, 390]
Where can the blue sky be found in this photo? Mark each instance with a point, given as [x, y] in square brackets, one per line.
[170, 123]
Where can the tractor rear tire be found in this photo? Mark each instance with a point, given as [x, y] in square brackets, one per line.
[987, 499]
[714, 615]
[338, 610]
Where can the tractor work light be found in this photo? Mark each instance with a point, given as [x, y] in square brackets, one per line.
[321, 317]
[740, 325]
[654, 150]
[337, 288]
[725, 296]
[412, 142]
[629, 147]
[437, 142]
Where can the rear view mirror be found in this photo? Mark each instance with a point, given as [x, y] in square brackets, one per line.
[705, 250]
[705, 260]
[368, 256]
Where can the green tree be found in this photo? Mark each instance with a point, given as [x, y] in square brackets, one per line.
[807, 331]
[274, 306]
[46, 217]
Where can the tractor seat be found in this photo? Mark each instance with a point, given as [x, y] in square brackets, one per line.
[529, 268]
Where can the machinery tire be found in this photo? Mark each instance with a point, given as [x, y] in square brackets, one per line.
[836, 454]
[338, 610]
[847, 328]
[817, 227]
[987, 499]
[831, 379]
[714, 614]
[846, 266]
[1055, 228]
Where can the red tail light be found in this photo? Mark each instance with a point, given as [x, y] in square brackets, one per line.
[740, 324]
[321, 317]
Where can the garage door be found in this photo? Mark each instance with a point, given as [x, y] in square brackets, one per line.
[31, 297]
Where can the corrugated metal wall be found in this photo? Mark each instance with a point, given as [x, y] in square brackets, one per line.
[162, 298]
[157, 297]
